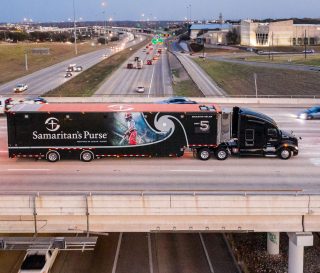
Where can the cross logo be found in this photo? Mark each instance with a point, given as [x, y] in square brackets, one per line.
[52, 124]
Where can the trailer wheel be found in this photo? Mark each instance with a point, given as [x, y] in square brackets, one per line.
[221, 153]
[204, 154]
[285, 153]
[53, 156]
[86, 156]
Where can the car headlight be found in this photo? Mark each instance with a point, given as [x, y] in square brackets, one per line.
[303, 116]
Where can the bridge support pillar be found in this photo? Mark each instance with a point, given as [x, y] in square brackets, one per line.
[297, 242]
[273, 243]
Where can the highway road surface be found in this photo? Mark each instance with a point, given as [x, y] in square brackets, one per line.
[186, 173]
[155, 78]
[51, 77]
[141, 253]
[204, 82]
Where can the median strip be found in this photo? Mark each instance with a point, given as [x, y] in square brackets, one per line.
[88, 82]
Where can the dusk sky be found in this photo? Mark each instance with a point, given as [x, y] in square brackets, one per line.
[89, 10]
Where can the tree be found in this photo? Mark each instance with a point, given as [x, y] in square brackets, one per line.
[233, 37]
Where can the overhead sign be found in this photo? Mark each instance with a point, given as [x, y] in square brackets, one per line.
[156, 41]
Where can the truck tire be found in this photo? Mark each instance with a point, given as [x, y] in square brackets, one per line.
[53, 156]
[204, 154]
[86, 156]
[221, 153]
[285, 153]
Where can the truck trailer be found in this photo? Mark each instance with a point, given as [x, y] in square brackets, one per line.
[90, 130]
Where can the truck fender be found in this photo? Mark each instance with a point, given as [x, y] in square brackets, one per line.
[287, 145]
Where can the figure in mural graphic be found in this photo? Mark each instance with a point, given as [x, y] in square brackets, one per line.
[131, 133]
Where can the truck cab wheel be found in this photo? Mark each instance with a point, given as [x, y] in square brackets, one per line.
[285, 153]
[204, 154]
[221, 153]
[86, 156]
[53, 156]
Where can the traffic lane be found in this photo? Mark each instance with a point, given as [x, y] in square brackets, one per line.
[73, 261]
[160, 174]
[134, 254]
[125, 81]
[220, 257]
[11, 260]
[180, 252]
[104, 255]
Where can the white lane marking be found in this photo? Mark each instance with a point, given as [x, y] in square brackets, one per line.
[28, 170]
[150, 253]
[315, 161]
[115, 262]
[151, 81]
[206, 253]
[202, 171]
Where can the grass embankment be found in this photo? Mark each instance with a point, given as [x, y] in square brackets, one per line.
[12, 57]
[87, 83]
[182, 84]
[312, 59]
[238, 79]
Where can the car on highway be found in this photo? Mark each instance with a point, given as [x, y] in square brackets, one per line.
[311, 113]
[36, 100]
[68, 75]
[78, 68]
[2, 105]
[130, 66]
[20, 87]
[308, 51]
[38, 261]
[177, 100]
[149, 62]
[140, 89]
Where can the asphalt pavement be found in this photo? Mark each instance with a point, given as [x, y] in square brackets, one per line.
[204, 82]
[141, 253]
[155, 78]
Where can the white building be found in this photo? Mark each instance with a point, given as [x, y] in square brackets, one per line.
[281, 33]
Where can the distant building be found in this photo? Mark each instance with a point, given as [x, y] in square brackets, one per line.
[281, 33]
[210, 33]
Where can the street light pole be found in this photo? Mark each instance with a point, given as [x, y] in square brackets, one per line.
[75, 29]
[305, 44]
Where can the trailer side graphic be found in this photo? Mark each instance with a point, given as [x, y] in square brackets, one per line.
[88, 131]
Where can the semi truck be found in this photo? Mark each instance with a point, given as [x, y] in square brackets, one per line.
[139, 64]
[90, 130]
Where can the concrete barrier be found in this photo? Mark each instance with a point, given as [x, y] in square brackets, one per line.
[165, 211]
[288, 101]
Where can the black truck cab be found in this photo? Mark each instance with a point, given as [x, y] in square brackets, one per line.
[257, 134]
